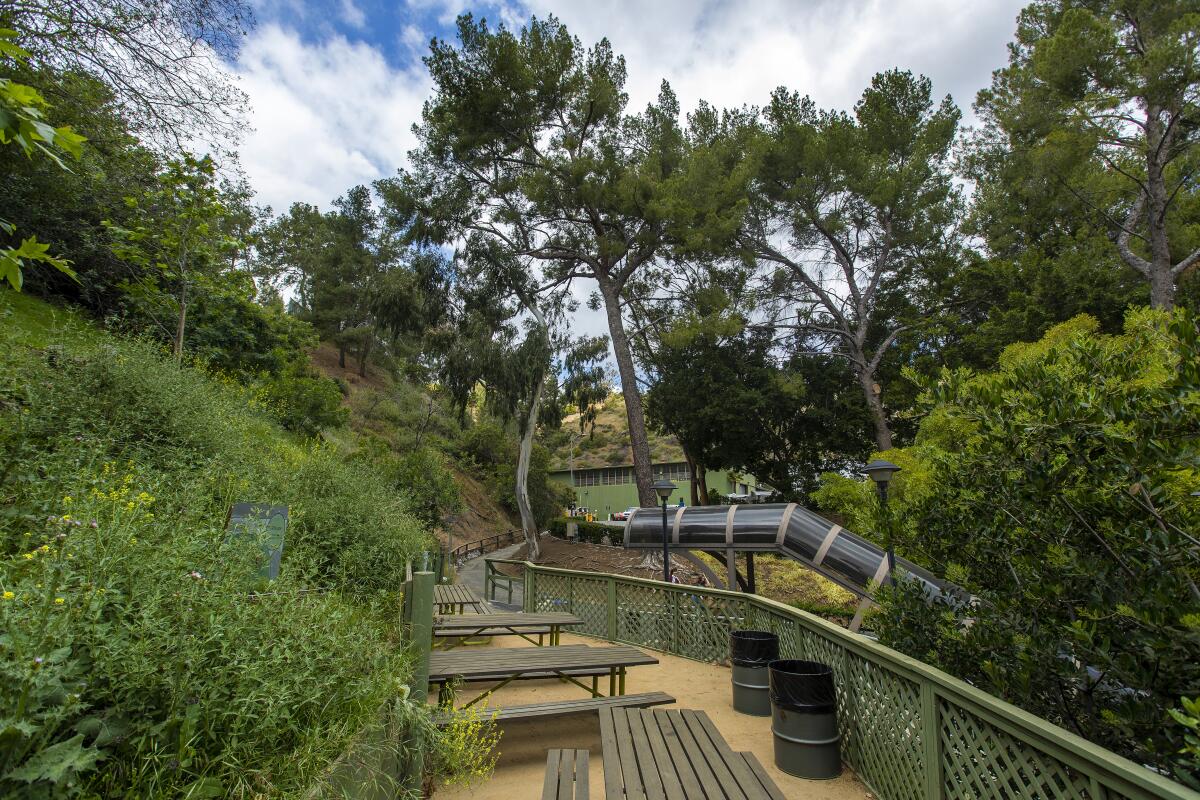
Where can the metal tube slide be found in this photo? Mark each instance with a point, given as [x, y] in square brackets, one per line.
[783, 528]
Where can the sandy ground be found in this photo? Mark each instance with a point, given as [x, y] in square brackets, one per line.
[523, 745]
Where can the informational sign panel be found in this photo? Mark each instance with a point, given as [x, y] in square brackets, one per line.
[265, 525]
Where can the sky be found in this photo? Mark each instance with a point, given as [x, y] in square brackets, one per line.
[335, 86]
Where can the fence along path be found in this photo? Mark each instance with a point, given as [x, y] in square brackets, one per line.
[909, 731]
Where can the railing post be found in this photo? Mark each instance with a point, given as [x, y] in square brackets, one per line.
[422, 633]
[612, 609]
[487, 580]
[530, 592]
[931, 742]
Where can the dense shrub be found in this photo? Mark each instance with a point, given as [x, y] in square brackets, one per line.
[1058, 490]
[590, 532]
[302, 401]
[130, 634]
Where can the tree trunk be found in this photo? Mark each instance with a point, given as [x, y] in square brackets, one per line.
[634, 413]
[702, 471]
[342, 356]
[179, 329]
[1162, 279]
[883, 434]
[363, 352]
[524, 455]
[692, 472]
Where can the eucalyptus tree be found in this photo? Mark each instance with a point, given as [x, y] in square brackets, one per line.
[511, 337]
[844, 213]
[1112, 88]
[527, 143]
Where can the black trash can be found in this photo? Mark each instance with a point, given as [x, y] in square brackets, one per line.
[804, 719]
[751, 652]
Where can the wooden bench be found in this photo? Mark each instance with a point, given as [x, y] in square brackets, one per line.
[532, 663]
[566, 775]
[564, 708]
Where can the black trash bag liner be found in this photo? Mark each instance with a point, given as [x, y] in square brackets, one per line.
[805, 687]
[753, 648]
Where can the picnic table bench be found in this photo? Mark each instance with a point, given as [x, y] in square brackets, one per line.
[566, 708]
[566, 775]
[465, 626]
[676, 755]
[509, 664]
[454, 598]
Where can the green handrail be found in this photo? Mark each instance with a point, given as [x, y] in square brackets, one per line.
[909, 729]
[492, 578]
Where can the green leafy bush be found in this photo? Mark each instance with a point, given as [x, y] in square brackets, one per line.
[130, 634]
[302, 401]
[1058, 489]
[590, 532]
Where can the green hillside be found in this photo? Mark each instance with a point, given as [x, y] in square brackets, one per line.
[607, 443]
[133, 636]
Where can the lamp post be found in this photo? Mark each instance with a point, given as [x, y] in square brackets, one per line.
[663, 489]
[881, 472]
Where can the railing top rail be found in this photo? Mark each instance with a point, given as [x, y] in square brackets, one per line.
[1068, 747]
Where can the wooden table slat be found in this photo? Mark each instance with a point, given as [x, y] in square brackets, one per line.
[630, 773]
[712, 756]
[760, 774]
[608, 744]
[566, 775]
[652, 781]
[679, 784]
[551, 781]
[690, 749]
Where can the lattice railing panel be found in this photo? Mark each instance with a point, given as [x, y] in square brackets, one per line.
[880, 720]
[981, 761]
[585, 598]
[895, 714]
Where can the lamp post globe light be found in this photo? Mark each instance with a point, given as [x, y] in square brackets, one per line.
[663, 488]
[881, 472]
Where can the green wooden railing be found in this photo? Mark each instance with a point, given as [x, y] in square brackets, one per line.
[908, 730]
[495, 581]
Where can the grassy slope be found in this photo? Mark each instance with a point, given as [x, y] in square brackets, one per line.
[146, 649]
[608, 445]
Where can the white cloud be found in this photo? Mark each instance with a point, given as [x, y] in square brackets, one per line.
[326, 116]
[735, 53]
[352, 15]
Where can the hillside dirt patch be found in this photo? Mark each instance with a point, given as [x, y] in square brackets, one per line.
[325, 359]
[481, 516]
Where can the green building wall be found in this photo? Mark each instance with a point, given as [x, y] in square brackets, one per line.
[605, 499]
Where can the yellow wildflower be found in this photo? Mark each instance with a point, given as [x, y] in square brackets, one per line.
[29, 556]
[67, 500]
[58, 601]
[9, 595]
[44, 548]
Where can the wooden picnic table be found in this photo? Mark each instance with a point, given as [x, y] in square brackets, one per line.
[464, 626]
[508, 664]
[676, 755]
[453, 598]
